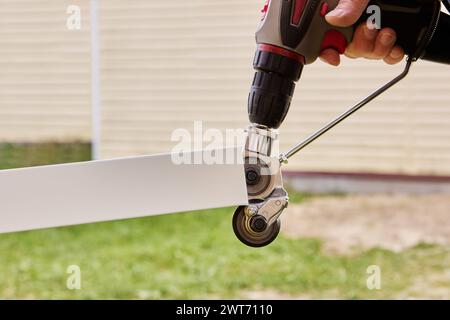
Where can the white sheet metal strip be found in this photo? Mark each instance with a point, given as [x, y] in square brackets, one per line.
[67, 194]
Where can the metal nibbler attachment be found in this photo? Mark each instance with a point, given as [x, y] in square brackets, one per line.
[258, 223]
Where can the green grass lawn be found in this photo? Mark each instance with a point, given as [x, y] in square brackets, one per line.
[193, 255]
[28, 154]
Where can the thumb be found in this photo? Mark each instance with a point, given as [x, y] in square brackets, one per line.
[346, 13]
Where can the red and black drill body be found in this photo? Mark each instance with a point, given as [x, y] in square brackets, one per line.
[293, 33]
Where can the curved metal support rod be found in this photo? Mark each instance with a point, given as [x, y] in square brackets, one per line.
[285, 156]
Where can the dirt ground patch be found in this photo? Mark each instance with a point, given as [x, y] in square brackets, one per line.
[270, 294]
[348, 224]
[428, 286]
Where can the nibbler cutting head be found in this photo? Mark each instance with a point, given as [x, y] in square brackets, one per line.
[258, 223]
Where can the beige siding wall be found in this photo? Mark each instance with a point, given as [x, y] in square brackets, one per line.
[44, 72]
[166, 64]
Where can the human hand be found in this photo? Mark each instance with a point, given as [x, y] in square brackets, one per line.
[366, 43]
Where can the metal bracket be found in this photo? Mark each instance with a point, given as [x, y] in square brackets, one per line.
[272, 207]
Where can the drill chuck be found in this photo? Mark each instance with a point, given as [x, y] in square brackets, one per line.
[272, 88]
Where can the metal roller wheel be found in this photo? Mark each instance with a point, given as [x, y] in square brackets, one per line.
[254, 231]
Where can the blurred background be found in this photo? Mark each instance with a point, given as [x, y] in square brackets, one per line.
[374, 191]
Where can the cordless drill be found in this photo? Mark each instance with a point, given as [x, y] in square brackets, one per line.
[293, 33]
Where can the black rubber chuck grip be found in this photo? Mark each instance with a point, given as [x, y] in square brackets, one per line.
[272, 88]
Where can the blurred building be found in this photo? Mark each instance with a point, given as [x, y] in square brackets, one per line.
[163, 65]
